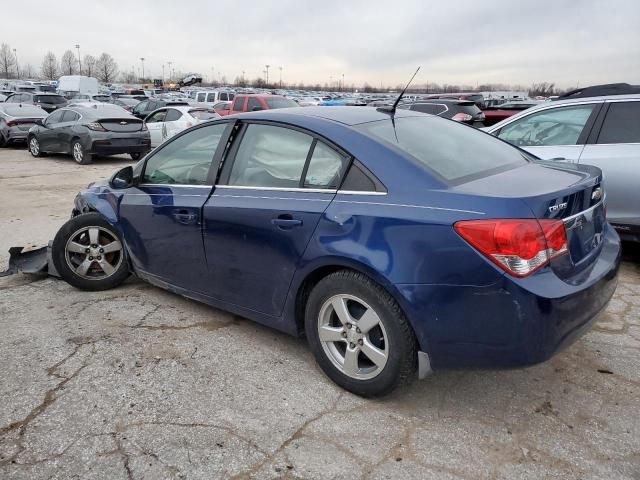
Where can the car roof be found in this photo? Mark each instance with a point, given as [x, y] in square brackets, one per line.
[98, 109]
[28, 110]
[454, 101]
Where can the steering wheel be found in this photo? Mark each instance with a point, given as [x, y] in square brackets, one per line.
[197, 174]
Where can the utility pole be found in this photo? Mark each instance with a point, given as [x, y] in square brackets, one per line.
[266, 74]
[170, 76]
[280, 77]
[142, 61]
[79, 62]
[15, 54]
[163, 76]
[343, 82]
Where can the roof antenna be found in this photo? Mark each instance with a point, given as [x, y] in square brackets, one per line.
[392, 109]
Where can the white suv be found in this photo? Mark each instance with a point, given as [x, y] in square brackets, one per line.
[596, 130]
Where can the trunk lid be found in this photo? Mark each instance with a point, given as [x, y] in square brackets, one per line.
[121, 125]
[568, 192]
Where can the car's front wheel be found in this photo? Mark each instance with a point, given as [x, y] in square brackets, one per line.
[34, 147]
[359, 335]
[136, 155]
[88, 253]
[79, 153]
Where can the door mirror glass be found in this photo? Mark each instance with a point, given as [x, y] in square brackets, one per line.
[122, 178]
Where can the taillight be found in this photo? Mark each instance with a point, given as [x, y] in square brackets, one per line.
[520, 247]
[461, 117]
[95, 126]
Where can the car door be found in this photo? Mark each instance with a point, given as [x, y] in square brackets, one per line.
[274, 187]
[614, 147]
[155, 125]
[174, 122]
[48, 135]
[238, 105]
[556, 133]
[65, 131]
[143, 109]
[162, 215]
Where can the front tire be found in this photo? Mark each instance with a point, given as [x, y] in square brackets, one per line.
[359, 335]
[88, 253]
[137, 155]
[79, 154]
[34, 147]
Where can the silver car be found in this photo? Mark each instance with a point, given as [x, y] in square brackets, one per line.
[603, 131]
[15, 121]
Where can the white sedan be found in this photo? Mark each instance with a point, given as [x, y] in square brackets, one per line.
[165, 122]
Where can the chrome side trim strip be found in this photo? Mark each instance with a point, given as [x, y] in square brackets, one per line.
[276, 189]
[359, 192]
[174, 185]
[412, 206]
[325, 200]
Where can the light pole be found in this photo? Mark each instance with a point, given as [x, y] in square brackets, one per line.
[343, 82]
[79, 62]
[213, 75]
[142, 61]
[15, 54]
[243, 78]
[280, 77]
[170, 77]
[266, 73]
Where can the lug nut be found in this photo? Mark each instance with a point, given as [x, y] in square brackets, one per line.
[99, 257]
[352, 345]
[87, 250]
[344, 334]
[357, 330]
[349, 325]
[90, 258]
[360, 342]
[101, 250]
[94, 246]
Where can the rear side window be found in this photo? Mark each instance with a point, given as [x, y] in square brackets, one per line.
[622, 124]
[173, 115]
[211, 97]
[238, 104]
[325, 167]
[70, 116]
[55, 99]
[454, 152]
[432, 108]
[280, 103]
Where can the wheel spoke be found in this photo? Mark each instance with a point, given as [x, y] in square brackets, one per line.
[374, 354]
[340, 307]
[369, 320]
[83, 268]
[94, 233]
[106, 267]
[330, 334]
[351, 361]
[75, 247]
[114, 246]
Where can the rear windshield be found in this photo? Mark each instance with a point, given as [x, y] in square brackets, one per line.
[15, 110]
[101, 98]
[280, 103]
[454, 152]
[203, 114]
[57, 99]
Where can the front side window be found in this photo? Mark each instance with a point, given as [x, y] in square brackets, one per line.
[270, 156]
[211, 97]
[274, 102]
[55, 117]
[173, 115]
[555, 126]
[622, 124]
[254, 103]
[185, 160]
[201, 97]
[325, 168]
[70, 116]
[238, 104]
[158, 116]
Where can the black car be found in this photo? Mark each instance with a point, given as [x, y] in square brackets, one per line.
[145, 107]
[464, 111]
[83, 131]
[47, 101]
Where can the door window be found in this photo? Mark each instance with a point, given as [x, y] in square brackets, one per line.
[224, 97]
[555, 126]
[201, 96]
[156, 117]
[186, 160]
[55, 117]
[238, 104]
[622, 124]
[270, 156]
[211, 97]
[69, 116]
[325, 168]
[172, 115]
[253, 103]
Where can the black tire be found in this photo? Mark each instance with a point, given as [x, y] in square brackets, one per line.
[79, 154]
[64, 261]
[3, 142]
[34, 147]
[400, 341]
[137, 155]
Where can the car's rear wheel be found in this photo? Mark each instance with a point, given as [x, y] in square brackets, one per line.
[79, 153]
[88, 253]
[34, 147]
[359, 335]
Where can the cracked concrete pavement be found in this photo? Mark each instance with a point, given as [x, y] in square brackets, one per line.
[138, 383]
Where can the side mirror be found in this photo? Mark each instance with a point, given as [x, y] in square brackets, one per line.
[40, 122]
[122, 179]
[256, 109]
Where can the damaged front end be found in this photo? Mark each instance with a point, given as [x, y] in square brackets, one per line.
[34, 262]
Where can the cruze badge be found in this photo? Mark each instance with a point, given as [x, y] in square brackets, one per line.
[558, 206]
[123, 123]
[597, 194]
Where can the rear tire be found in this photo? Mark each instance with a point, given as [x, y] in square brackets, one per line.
[79, 154]
[89, 254]
[137, 155]
[367, 345]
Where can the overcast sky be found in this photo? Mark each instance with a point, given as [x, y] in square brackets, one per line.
[471, 42]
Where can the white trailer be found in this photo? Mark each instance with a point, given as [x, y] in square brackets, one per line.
[72, 84]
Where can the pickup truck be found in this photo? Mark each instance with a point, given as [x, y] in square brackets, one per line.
[253, 103]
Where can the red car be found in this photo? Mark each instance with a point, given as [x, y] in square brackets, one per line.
[255, 102]
[493, 115]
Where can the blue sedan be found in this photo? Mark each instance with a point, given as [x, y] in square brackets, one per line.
[398, 244]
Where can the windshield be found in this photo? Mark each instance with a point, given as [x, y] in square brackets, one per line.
[280, 103]
[453, 151]
[101, 98]
[57, 99]
[203, 114]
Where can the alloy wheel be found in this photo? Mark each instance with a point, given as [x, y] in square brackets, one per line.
[353, 336]
[93, 253]
[34, 146]
[78, 154]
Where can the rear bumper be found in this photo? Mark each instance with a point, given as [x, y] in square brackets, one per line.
[114, 145]
[515, 322]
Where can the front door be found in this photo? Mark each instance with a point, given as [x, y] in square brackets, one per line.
[162, 215]
[274, 188]
[48, 136]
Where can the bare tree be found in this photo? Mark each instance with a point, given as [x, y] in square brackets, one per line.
[106, 68]
[128, 77]
[28, 71]
[7, 60]
[544, 89]
[89, 65]
[68, 63]
[49, 67]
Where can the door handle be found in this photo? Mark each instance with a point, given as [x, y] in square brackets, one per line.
[286, 221]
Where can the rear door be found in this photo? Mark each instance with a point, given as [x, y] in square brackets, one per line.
[155, 125]
[174, 122]
[65, 130]
[273, 190]
[614, 147]
[557, 133]
[238, 105]
[161, 216]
